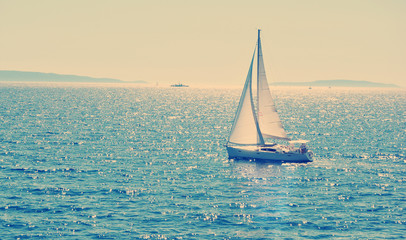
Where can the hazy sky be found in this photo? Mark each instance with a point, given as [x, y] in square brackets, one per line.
[206, 42]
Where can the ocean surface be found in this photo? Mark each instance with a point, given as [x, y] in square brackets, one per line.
[121, 162]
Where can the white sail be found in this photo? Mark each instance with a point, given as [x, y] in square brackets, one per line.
[268, 118]
[245, 130]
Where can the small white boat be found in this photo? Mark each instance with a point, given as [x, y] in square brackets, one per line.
[253, 128]
[179, 85]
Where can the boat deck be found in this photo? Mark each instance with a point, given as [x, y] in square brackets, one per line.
[275, 153]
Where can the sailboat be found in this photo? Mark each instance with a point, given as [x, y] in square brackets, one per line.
[255, 126]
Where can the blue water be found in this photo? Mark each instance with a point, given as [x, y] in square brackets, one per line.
[90, 162]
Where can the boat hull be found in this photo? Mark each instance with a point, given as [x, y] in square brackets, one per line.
[276, 156]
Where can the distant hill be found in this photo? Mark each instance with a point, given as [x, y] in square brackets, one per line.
[21, 76]
[336, 83]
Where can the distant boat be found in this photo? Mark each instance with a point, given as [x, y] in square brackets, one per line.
[179, 85]
[252, 129]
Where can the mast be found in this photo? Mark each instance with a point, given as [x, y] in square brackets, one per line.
[258, 52]
[260, 137]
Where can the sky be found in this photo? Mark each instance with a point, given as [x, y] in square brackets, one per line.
[206, 42]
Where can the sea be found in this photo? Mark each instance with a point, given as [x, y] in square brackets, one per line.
[115, 161]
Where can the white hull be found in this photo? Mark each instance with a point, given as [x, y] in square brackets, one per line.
[254, 152]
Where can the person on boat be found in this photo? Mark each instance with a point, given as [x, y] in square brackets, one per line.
[303, 148]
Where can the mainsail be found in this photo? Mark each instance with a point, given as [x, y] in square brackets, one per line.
[268, 118]
[245, 130]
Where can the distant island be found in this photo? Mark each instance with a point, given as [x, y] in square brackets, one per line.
[336, 83]
[22, 76]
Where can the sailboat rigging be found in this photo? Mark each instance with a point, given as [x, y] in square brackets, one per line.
[252, 127]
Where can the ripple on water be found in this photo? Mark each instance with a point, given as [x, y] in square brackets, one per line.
[115, 162]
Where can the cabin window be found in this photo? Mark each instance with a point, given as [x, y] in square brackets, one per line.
[268, 149]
